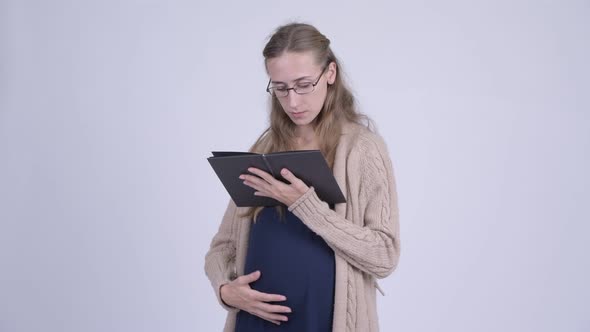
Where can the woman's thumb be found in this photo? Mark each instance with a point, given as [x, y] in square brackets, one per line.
[248, 278]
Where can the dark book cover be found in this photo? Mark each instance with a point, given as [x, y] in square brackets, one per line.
[307, 165]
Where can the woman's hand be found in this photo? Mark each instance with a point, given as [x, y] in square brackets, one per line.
[266, 185]
[238, 294]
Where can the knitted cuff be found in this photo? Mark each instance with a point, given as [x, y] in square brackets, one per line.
[307, 205]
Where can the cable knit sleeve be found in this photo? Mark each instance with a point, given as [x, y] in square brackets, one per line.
[220, 264]
[372, 247]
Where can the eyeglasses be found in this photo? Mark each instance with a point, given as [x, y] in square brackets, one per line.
[299, 88]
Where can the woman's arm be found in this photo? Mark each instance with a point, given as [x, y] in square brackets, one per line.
[373, 247]
[220, 265]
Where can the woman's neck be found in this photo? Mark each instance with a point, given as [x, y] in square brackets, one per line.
[305, 143]
[305, 138]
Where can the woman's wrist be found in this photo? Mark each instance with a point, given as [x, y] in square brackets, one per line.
[221, 292]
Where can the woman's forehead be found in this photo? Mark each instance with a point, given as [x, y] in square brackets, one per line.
[291, 66]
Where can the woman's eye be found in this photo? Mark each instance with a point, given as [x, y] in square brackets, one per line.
[303, 85]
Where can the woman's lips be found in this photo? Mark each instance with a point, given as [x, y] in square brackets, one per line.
[298, 114]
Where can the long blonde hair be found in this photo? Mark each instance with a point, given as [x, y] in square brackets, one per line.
[339, 104]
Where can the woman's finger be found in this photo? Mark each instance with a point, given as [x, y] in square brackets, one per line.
[266, 297]
[274, 308]
[262, 174]
[288, 175]
[271, 317]
[295, 181]
[248, 278]
[255, 182]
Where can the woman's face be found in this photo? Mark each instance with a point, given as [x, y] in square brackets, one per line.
[297, 69]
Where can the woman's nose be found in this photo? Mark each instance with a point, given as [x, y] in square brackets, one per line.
[293, 99]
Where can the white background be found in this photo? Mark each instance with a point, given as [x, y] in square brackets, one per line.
[108, 110]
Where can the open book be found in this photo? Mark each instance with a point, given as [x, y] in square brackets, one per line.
[307, 165]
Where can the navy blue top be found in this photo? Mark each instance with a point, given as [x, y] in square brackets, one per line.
[294, 262]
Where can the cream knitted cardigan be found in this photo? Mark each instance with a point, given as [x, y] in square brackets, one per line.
[363, 232]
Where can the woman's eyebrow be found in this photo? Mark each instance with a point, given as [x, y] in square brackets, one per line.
[295, 80]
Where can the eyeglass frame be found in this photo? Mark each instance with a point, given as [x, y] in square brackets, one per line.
[268, 87]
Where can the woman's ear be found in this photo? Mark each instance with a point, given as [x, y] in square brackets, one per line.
[332, 72]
